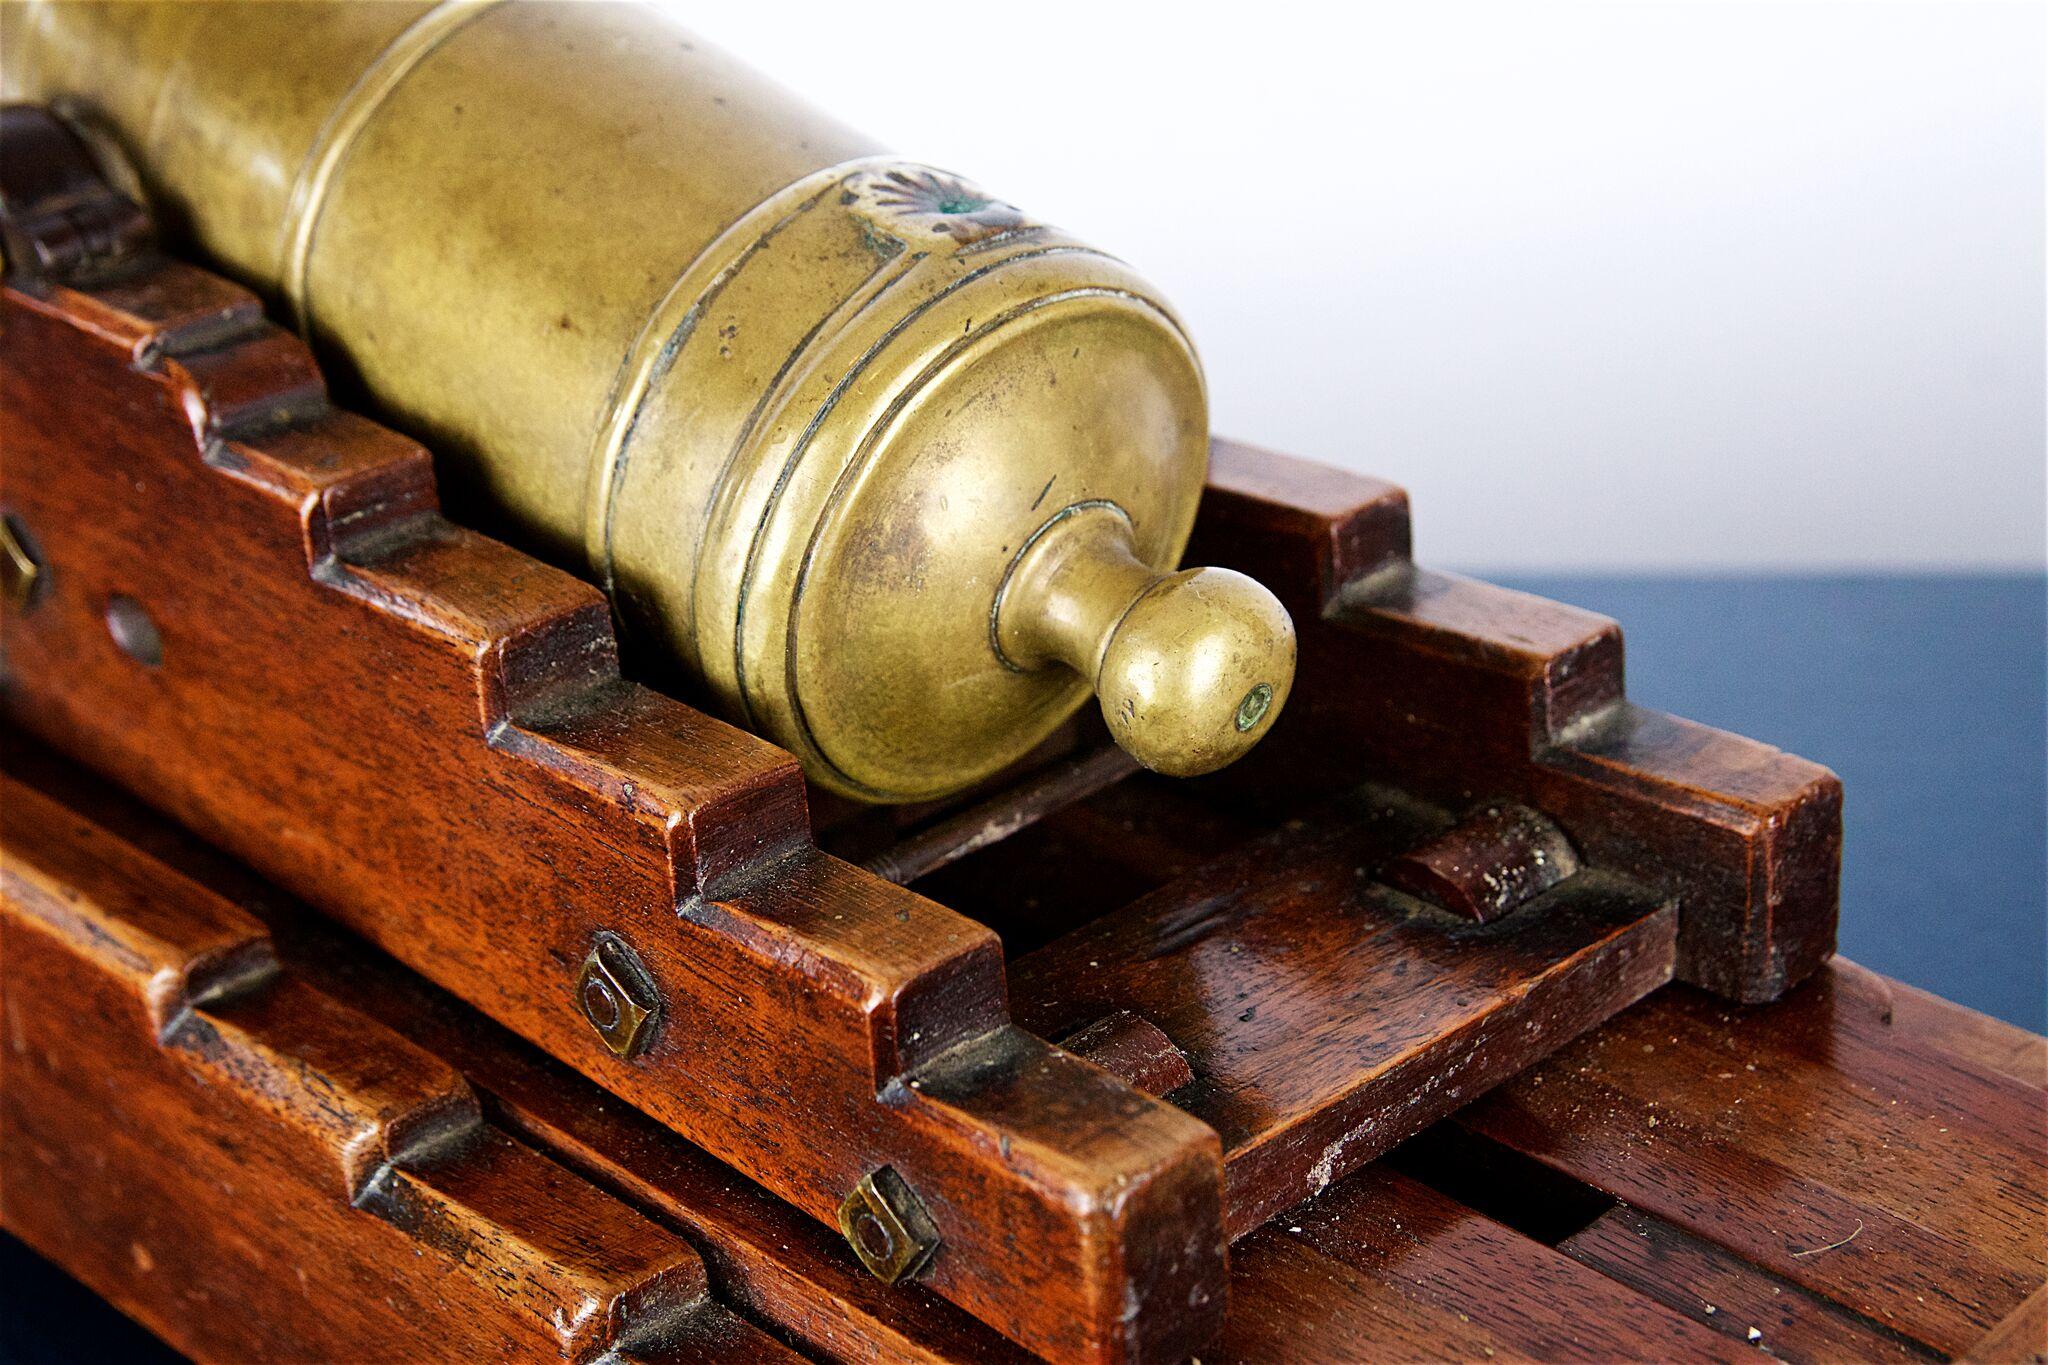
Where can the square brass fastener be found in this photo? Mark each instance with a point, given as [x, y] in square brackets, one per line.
[884, 1222]
[22, 578]
[617, 995]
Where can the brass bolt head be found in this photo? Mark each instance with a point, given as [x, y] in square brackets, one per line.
[616, 993]
[21, 569]
[884, 1222]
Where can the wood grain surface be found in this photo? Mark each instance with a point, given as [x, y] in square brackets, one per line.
[1325, 1016]
[258, 1171]
[1457, 1249]
[1829, 1143]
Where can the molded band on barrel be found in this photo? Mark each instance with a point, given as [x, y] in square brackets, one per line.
[939, 223]
[338, 135]
[668, 327]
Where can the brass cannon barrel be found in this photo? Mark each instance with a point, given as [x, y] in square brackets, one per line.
[896, 473]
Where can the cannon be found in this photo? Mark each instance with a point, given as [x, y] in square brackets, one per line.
[396, 887]
[871, 460]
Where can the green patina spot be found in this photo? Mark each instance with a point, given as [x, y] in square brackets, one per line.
[1253, 708]
[960, 204]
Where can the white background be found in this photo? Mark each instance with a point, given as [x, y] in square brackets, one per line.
[1701, 286]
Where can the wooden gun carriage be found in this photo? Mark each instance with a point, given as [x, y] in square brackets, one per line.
[388, 976]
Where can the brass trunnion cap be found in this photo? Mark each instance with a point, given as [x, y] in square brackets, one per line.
[956, 509]
[891, 472]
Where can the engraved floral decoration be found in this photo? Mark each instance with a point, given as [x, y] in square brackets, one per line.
[943, 204]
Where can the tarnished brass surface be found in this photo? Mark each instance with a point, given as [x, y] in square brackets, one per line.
[896, 472]
[618, 996]
[885, 1223]
[22, 579]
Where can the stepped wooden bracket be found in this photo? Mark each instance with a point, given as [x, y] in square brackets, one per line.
[60, 219]
[1465, 693]
[287, 1108]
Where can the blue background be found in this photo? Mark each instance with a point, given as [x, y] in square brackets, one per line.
[1927, 696]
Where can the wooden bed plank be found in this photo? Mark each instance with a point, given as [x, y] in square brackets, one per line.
[1383, 1268]
[1327, 1017]
[1816, 1140]
[1719, 1290]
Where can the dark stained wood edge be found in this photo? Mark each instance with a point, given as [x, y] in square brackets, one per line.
[1462, 692]
[2021, 1338]
[1979, 1039]
[1820, 1141]
[1017, 807]
[1721, 1291]
[114, 972]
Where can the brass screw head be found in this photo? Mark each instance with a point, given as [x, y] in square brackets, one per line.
[616, 993]
[884, 1222]
[22, 578]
